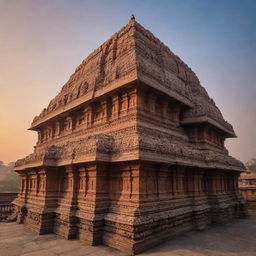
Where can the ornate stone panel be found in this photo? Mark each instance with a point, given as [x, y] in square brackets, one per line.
[130, 152]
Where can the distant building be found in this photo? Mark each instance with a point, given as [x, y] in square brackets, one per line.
[6, 206]
[130, 152]
[247, 185]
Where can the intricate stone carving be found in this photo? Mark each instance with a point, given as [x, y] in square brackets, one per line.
[130, 152]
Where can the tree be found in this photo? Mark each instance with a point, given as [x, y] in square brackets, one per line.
[9, 181]
[251, 165]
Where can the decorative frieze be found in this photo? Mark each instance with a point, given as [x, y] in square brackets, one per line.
[130, 152]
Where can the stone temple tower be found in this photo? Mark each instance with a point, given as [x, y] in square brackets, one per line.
[130, 152]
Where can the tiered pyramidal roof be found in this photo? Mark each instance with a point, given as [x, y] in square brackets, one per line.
[131, 54]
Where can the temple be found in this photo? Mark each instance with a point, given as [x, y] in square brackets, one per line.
[131, 151]
[247, 186]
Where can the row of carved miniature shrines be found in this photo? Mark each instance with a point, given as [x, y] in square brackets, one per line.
[111, 108]
[89, 115]
[206, 133]
[145, 182]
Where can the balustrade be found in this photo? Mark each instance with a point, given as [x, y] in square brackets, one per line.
[5, 211]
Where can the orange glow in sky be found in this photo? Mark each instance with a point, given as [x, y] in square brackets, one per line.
[42, 42]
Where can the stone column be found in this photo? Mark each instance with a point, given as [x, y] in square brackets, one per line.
[115, 107]
[194, 134]
[95, 204]
[39, 140]
[88, 116]
[180, 170]
[132, 99]
[165, 109]
[124, 103]
[104, 107]
[152, 102]
[163, 182]
[141, 101]
[57, 129]
[176, 113]
[174, 181]
[48, 197]
[199, 175]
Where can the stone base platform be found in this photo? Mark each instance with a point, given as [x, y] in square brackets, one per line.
[235, 239]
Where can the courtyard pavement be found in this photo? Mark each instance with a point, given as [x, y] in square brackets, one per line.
[234, 239]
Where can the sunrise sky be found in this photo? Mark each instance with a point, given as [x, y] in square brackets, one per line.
[43, 41]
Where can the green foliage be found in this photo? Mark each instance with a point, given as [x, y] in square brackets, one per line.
[9, 180]
[251, 165]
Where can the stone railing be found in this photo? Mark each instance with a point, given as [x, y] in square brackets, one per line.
[6, 206]
[5, 211]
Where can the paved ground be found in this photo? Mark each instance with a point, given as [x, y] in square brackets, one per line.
[235, 239]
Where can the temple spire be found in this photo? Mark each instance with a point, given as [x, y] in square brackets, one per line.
[132, 17]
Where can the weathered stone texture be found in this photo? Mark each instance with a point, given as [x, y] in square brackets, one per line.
[130, 152]
[247, 185]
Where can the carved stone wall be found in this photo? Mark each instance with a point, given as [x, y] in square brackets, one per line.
[130, 152]
[131, 206]
[247, 186]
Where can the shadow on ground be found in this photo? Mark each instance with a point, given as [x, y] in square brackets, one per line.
[234, 239]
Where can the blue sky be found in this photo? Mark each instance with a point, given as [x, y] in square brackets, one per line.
[43, 41]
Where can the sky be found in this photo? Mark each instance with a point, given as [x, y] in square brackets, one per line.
[43, 41]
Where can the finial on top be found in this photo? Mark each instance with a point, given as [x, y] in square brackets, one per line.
[132, 17]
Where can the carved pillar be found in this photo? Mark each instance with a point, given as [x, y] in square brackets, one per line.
[23, 189]
[165, 109]
[42, 182]
[152, 102]
[193, 133]
[68, 125]
[222, 188]
[219, 185]
[115, 107]
[159, 107]
[199, 185]
[125, 176]
[104, 109]
[64, 195]
[132, 99]
[33, 183]
[215, 182]
[180, 179]
[38, 183]
[72, 176]
[82, 184]
[177, 173]
[42, 135]
[124, 103]
[51, 135]
[174, 181]
[94, 204]
[88, 115]
[135, 182]
[164, 182]
[201, 133]
[141, 100]
[176, 113]
[57, 129]
[39, 140]
[147, 181]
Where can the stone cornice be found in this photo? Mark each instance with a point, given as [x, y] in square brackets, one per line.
[206, 119]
